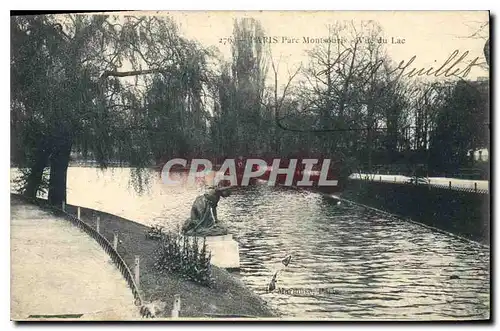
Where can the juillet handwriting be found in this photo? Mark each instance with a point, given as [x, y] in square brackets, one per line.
[452, 66]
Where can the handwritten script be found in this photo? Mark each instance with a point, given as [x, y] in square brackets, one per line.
[455, 65]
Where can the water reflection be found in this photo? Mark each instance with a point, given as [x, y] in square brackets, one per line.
[374, 265]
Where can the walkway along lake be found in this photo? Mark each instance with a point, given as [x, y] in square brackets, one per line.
[347, 262]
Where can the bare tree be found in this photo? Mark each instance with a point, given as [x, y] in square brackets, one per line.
[279, 98]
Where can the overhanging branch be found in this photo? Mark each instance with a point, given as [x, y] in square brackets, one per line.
[109, 73]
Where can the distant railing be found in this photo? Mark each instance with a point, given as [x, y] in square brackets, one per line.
[459, 188]
[420, 181]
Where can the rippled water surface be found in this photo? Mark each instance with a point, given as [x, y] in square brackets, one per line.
[347, 262]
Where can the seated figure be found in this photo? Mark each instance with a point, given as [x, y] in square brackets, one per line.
[203, 220]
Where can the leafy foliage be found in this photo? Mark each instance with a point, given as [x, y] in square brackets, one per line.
[183, 256]
[461, 127]
[155, 232]
[133, 90]
[20, 183]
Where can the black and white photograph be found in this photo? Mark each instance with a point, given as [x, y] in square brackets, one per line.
[250, 165]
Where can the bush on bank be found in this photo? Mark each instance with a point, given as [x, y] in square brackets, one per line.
[185, 257]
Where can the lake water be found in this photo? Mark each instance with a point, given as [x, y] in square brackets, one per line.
[347, 262]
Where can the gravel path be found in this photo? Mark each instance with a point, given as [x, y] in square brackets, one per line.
[56, 269]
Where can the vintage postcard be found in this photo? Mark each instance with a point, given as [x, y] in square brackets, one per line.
[289, 165]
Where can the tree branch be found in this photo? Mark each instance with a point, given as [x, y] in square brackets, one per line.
[109, 73]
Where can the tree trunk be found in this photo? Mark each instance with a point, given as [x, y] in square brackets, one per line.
[59, 161]
[36, 173]
[275, 138]
[369, 148]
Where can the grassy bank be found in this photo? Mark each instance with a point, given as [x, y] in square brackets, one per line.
[227, 297]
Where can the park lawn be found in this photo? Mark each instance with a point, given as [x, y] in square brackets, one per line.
[228, 296]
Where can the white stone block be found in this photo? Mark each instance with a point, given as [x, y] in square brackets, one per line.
[225, 251]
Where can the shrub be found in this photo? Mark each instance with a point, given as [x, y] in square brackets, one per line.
[180, 255]
[20, 182]
[155, 232]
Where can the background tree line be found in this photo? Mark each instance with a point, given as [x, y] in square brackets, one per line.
[134, 90]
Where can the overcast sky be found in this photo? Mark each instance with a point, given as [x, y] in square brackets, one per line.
[431, 36]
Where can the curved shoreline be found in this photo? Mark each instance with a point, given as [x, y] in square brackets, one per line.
[228, 298]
